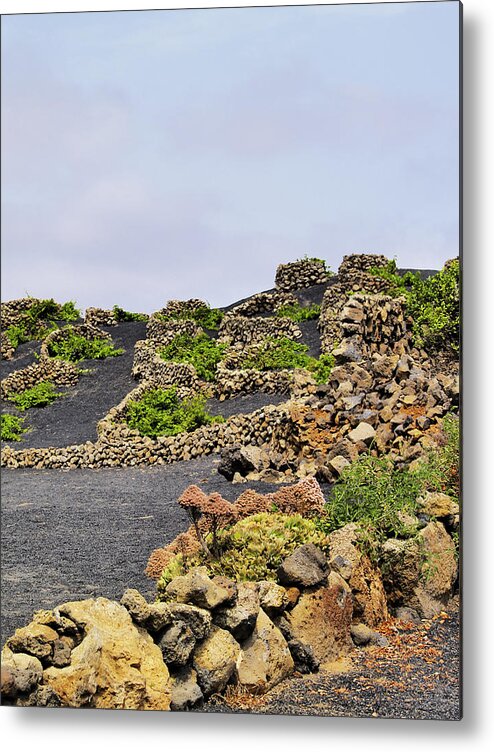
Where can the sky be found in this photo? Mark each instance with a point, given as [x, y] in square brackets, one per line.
[153, 155]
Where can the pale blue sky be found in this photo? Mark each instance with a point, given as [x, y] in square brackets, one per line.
[150, 155]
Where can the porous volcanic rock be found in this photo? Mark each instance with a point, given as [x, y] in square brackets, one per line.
[265, 658]
[117, 664]
[306, 567]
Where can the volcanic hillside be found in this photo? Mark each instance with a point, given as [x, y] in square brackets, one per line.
[327, 405]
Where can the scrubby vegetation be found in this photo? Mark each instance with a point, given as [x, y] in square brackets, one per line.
[160, 412]
[299, 313]
[40, 395]
[201, 351]
[253, 548]
[11, 427]
[209, 318]
[123, 315]
[282, 352]
[383, 499]
[433, 303]
[324, 263]
[75, 347]
[40, 319]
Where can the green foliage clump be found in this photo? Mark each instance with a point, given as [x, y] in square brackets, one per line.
[201, 351]
[17, 335]
[75, 347]
[122, 315]
[209, 318]
[433, 303]
[40, 395]
[324, 263]
[299, 313]
[253, 548]
[160, 412]
[11, 427]
[282, 352]
[374, 495]
[377, 496]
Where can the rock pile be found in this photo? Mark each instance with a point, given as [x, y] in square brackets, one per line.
[264, 302]
[172, 655]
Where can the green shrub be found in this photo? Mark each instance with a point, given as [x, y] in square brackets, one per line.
[374, 494]
[75, 347]
[433, 303]
[209, 318]
[122, 315]
[38, 320]
[299, 313]
[11, 427]
[40, 395]
[201, 351]
[160, 412]
[281, 352]
[324, 263]
[253, 548]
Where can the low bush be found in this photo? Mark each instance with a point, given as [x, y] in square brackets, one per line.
[281, 352]
[160, 412]
[11, 427]
[299, 313]
[75, 347]
[37, 396]
[122, 315]
[201, 351]
[252, 549]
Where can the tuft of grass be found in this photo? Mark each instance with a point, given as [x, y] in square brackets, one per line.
[40, 395]
[11, 427]
[160, 412]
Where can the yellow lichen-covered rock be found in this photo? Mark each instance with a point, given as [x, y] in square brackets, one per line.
[265, 659]
[215, 659]
[117, 664]
[322, 618]
[362, 576]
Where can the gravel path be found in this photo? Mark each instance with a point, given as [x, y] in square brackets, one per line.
[81, 533]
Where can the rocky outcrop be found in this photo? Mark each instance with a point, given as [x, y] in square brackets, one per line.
[265, 658]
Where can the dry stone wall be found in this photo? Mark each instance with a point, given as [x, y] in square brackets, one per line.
[59, 372]
[241, 330]
[300, 274]
[166, 331]
[361, 262]
[100, 317]
[264, 302]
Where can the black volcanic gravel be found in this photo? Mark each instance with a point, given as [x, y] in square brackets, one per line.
[88, 532]
[72, 419]
[416, 677]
